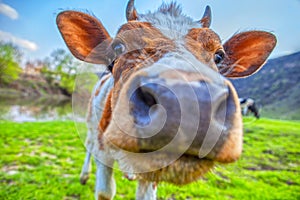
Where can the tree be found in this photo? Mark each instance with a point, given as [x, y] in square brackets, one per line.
[10, 57]
[60, 68]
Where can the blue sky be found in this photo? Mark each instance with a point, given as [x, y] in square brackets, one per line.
[31, 23]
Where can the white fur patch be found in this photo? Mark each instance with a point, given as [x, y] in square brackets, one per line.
[173, 24]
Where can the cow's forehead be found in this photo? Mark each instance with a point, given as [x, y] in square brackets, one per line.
[131, 25]
[165, 32]
[169, 19]
[169, 22]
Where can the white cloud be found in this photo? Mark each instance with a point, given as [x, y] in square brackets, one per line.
[8, 37]
[8, 11]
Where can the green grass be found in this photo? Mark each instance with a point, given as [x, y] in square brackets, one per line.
[43, 161]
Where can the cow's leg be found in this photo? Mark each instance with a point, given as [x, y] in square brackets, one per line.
[146, 190]
[253, 108]
[105, 183]
[86, 169]
[87, 166]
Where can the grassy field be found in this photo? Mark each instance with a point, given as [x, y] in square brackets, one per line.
[43, 161]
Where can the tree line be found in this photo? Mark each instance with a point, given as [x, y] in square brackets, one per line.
[58, 69]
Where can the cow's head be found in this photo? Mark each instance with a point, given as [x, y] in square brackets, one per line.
[173, 110]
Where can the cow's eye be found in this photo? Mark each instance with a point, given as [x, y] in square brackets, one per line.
[219, 56]
[119, 48]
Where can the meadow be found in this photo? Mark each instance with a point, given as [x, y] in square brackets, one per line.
[42, 160]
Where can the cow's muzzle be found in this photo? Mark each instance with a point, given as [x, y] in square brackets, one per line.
[182, 117]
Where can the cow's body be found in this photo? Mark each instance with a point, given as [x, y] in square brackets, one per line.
[105, 183]
[166, 111]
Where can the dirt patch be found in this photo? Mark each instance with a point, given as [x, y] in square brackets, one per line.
[15, 169]
[291, 183]
[269, 168]
[47, 155]
[72, 197]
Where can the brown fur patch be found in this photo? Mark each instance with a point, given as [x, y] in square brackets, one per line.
[194, 169]
[100, 197]
[90, 107]
[203, 43]
[232, 148]
[101, 84]
[97, 91]
[105, 119]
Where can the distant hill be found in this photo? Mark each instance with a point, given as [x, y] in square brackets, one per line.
[276, 87]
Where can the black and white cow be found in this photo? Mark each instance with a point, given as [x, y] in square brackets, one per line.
[249, 105]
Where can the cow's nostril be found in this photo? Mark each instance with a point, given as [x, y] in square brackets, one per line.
[143, 101]
[146, 96]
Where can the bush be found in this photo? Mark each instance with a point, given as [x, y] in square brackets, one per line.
[9, 63]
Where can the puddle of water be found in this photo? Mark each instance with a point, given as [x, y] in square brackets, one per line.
[32, 110]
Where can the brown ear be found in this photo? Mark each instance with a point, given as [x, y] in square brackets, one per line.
[84, 35]
[246, 53]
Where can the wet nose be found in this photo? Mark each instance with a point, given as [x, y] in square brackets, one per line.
[181, 117]
[210, 99]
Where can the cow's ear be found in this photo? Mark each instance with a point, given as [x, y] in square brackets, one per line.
[85, 36]
[246, 53]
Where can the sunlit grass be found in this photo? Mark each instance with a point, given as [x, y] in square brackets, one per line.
[43, 161]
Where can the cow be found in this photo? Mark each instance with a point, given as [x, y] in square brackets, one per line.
[248, 104]
[166, 111]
